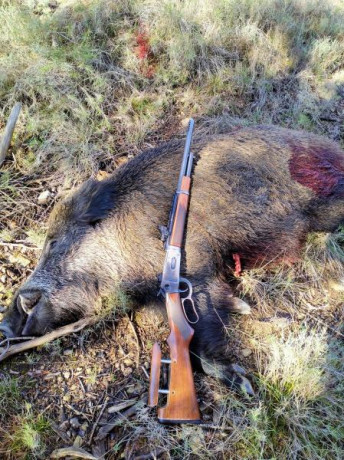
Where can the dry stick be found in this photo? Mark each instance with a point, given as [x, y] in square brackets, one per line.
[119, 418]
[6, 138]
[20, 245]
[74, 452]
[59, 432]
[98, 418]
[151, 455]
[132, 327]
[65, 330]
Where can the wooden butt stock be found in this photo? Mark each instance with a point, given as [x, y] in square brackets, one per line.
[182, 406]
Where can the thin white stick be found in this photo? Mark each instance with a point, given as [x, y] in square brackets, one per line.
[8, 133]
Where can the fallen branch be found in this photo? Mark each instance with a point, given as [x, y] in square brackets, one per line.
[98, 418]
[9, 128]
[59, 432]
[37, 341]
[20, 245]
[75, 452]
[119, 418]
[138, 348]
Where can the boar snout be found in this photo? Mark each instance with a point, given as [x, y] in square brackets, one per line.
[5, 330]
[28, 299]
[36, 310]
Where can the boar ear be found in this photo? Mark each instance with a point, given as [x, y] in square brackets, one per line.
[94, 201]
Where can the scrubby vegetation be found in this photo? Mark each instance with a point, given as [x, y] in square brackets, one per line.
[100, 80]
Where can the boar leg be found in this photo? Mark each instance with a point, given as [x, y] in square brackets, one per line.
[209, 347]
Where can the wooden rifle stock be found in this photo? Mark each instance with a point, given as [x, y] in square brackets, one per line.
[182, 406]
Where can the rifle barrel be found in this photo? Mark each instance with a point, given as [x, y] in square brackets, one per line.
[189, 168]
[186, 153]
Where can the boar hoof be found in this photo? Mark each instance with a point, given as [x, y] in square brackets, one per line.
[241, 383]
[237, 369]
[239, 306]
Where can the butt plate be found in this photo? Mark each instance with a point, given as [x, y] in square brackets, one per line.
[167, 421]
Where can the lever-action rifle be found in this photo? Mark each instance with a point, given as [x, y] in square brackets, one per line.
[182, 406]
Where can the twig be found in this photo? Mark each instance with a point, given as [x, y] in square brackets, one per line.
[20, 245]
[8, 133]
[62, 331]
[103, 432]
[145, 372]
[75, 452]
[15, 339]
[209, 426]
[77, 412]
[97, 421]
[82, 385]
[154, 454]
[59, 432]
[121, 406]
[137, 341]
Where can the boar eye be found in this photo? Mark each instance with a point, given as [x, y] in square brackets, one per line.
[52, 244]
[95, 223]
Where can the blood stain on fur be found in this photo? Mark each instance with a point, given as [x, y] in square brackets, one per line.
[321, 170]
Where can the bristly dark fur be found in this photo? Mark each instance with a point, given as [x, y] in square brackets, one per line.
[255, 192]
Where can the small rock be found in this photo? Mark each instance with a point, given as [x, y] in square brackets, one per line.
[66, 375]
[246, 352]
[75, 423]
[127, 371]
[68, 352]
[135, 389]
[44, 197]
[83, 429]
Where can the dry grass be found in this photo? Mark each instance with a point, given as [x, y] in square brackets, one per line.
[99, 80]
